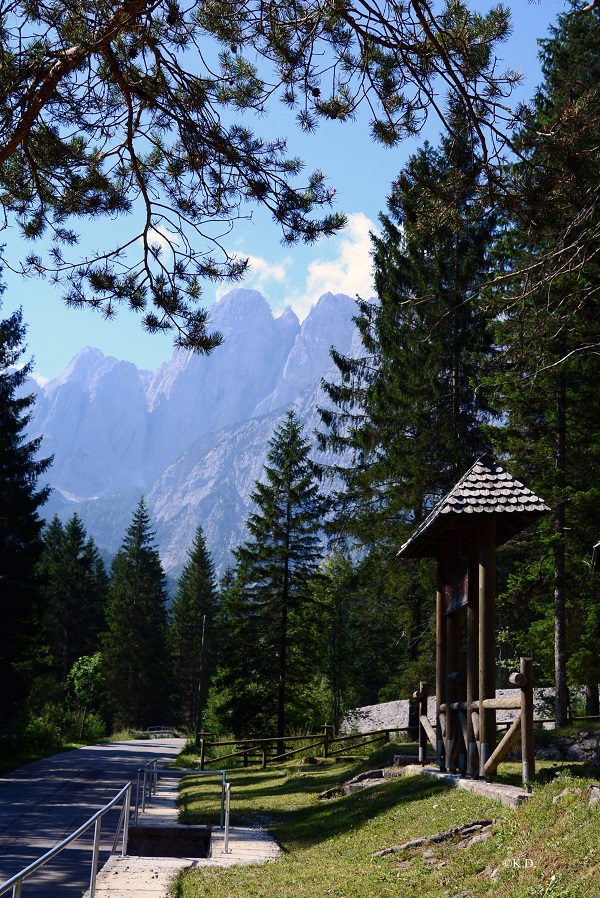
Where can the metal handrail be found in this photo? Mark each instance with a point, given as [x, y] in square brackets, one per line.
[148, 784]
[16, 881]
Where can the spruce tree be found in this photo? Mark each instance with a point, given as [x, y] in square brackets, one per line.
[194, 614]
[74, 586]
[269, 605]
[135, 650]
[21, 497]
[406, 417]
[549, 333]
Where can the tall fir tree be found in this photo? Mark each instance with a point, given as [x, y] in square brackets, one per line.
[74, 587]
[407, 417]
[269, 605]
[549, 333]
[194, 613]
[21, 497]
[136, 653]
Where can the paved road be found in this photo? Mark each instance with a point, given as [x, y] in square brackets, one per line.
[42, 803]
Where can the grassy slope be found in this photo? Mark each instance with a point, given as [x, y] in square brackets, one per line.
[328, 844]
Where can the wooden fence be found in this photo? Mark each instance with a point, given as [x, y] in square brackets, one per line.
[462, 740]
[324, 743]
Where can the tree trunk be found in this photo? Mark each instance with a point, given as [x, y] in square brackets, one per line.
[560, 590]
[592, 700]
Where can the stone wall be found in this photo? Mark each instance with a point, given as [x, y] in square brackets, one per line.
[392, 715]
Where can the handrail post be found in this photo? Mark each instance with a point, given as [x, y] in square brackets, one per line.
[126, 822]
[227, 808]
[95, 855]
[202, 749]
[144, 787]
[223, 788]
[137, 799]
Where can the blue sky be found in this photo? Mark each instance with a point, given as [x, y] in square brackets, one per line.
[361, 173]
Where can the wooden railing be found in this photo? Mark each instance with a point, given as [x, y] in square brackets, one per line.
[466, 729]
[322, 743]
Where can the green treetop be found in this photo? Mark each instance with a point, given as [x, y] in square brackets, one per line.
[21, 497]
[269, 603]
[194, 604]
[135, 650]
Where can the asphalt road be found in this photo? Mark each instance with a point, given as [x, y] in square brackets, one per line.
[44, 802]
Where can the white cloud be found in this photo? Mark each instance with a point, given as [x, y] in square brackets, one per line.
[260, 273]
[40, 380]
[343, 264]
[349, 271]
[163, 238]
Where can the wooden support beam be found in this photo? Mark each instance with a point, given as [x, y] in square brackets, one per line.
[473, 655]
[440, 660]
[504, 746]
[429, 730]
[424, 732]
[452, 685]
[462, 718]
[527, 746]
[499, 704]
[487, 636]
[453, 745]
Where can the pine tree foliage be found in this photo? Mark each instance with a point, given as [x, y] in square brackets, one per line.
[268, 609]
[21, 497]
[136, 652]
[74, 587]
[195, 605]
[136, 108]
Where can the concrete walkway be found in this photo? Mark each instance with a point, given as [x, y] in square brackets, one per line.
[149, 877]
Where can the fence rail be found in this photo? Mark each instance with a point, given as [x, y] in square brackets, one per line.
[323, 742]
[15, 882]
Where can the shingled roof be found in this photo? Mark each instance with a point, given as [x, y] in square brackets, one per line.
[486, 488]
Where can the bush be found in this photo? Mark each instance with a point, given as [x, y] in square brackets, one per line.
[94, 729]
[43, 732]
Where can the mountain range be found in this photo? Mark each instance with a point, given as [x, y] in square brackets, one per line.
[191, 436]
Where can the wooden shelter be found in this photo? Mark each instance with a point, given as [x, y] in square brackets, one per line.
[483, 511]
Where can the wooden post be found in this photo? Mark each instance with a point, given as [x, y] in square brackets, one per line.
[473, 657]
[265, 750]
[422, 696]
[440, 658]
[452, 686]
[487, 636]
[527, 746]
[245, 755]
[326, 728]
[203, 741]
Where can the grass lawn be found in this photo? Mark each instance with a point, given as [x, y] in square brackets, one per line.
[546, 849]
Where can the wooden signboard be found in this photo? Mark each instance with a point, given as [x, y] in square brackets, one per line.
[456, 587]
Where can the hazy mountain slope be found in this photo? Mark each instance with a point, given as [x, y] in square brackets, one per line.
[192, 436]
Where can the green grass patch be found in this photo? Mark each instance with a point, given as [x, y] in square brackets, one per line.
[546, 849]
